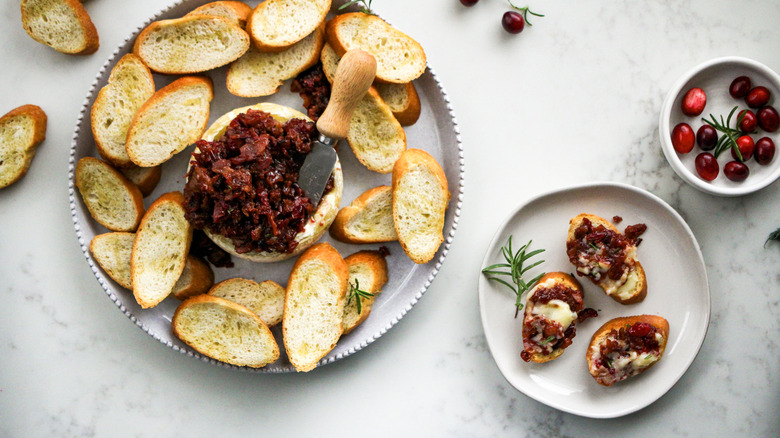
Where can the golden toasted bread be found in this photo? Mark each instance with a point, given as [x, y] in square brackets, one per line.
[616, 360]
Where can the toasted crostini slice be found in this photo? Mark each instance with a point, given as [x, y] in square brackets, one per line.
[367, 275]
[553, 307]
[608, 258]
[225, 331]
[625, 347]
[265, 299]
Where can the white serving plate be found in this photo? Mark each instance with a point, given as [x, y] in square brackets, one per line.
[714, 77]
[436, 132]
[677, 290]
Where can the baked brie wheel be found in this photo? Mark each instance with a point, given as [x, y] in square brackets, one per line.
[316, 224]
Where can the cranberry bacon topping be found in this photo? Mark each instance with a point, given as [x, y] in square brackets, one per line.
[244, 184]
[600, 253]
[552, 309]
[625, 352]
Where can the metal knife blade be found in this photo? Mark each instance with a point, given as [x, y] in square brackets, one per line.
[317, 168]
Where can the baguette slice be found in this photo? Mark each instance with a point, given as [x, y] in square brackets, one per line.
[63, 25]
[262, 73]
[400, 59]
[145, 178]
[112, 252]
[368, 272]
[403, 101]
[191, 44]
[225, 331]
[631, 287]
[369, 219]
[420, 199]
[21, 131]
[375, 136]
[129, 86]
[112, 200]
[275, 25]
[160, 250]
[236, 12]
[265, 299]
[196, 278]
[314, 306]
[548, 327]
[173, 118]
[609, 365]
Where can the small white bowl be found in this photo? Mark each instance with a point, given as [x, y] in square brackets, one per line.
[714, 77]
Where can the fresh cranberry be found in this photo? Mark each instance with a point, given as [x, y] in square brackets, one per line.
[746, 147]
[748, 121]
[739, 87]
[707, 137]
[758, 97]
[468, 3]
[765, 150]
[694, 102]
[683, 138]
[768, 119]
[707, 166]
[736, 171]
[640, 329]
[513, 22]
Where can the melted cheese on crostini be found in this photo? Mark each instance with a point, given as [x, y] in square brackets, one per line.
[556, 310]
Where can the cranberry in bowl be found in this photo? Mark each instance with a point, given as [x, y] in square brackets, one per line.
[716, 79]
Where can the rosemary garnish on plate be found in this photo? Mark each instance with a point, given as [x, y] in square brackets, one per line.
[366, 8]
[358, 294]
[514, 269]
[729, 139]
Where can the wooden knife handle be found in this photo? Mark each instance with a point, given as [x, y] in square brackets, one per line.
[354, 75]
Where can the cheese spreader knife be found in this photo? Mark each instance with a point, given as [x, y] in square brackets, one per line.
[354, 75]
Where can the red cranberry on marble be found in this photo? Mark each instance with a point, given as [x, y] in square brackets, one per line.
[513, 22]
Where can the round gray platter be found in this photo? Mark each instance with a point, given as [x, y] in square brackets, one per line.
[435, 132]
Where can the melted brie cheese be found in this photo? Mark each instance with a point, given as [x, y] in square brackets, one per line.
[556, 310]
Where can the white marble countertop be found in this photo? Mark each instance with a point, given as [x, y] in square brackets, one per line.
[573, 99]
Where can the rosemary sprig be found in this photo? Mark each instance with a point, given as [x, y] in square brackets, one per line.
[775, 235]
[729, 140]
[514, 269]
[548, 340]
[358, 294]
[366, 8]
[525, 11]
